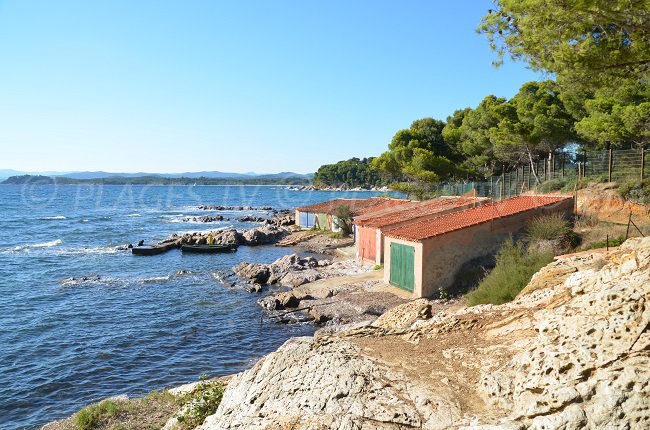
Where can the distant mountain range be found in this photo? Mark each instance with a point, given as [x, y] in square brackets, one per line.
[6, 173]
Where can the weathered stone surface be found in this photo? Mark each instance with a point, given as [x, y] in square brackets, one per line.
[309, 384]
[255, 273]
[405, 315]
[263, 235]
[571, 352]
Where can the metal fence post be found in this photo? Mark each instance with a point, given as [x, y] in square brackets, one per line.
[610, 163]
[642, 162]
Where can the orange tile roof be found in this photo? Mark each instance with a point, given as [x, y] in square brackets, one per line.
[446, 223]
[415, 210]
[357, 206]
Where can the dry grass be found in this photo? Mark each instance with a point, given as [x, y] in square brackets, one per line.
[146, 413]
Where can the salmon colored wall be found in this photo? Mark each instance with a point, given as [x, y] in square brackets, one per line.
[366, 243]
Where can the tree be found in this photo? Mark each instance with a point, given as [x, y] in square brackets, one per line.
[469, 132]
[533, 123]
[617, 117]
[419, 155]
[354, 172]
[588, 42]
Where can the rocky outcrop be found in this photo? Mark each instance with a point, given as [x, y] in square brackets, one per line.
[605, 203]
[571, 352]
[290, 270]
[264, 235]
[206, 218]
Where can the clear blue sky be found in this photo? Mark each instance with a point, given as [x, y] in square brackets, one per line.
[265, 86]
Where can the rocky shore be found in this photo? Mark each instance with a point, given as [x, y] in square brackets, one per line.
[571, 352]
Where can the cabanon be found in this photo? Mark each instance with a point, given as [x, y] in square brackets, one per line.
[323, 215]
[425, 256]
[370, 227]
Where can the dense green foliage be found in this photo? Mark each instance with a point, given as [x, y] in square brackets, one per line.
[638, 191]
[152, 180]
[514, 269]
[588, 43]
[351, 173]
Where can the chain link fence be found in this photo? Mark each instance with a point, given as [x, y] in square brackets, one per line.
[558, 172]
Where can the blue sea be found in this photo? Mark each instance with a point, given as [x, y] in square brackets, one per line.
[125, 324]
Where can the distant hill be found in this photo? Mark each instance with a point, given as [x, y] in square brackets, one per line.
[276, 179]
[6, 173]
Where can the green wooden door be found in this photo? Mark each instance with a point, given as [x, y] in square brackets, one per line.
[402, 266]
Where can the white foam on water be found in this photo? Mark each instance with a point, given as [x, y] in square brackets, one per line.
[51, 218]
[49, 244]
[134, 215]
[156, 279]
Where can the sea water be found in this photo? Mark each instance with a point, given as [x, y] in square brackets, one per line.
[82, 320]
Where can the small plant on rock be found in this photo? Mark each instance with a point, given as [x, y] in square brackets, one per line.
[201, 403]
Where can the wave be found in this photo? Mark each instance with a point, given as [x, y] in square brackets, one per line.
[91, 250]
[156, 279]
[134, 215]
[52, 218]
[49, 244]
[92, 280]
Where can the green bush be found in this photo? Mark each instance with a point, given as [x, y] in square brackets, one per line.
[637, 191]
[202, 403]
[548, 227]
[558, 184]
[89, 417]
[515, 266]
[613, 241]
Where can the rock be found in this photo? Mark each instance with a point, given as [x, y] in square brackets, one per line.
[403, 316]
[263, 235]
[572, 351]
[294, 279]
[256, 273]
[312, 385]
[207, 218]
[250, 218]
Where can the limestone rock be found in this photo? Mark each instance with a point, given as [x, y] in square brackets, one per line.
[571, 352]
[311, 385]
[255, 273]
[405, 315]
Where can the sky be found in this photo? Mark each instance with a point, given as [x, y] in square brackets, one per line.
[236, 86]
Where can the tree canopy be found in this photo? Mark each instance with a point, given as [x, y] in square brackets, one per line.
[351, 173]
[587, 42]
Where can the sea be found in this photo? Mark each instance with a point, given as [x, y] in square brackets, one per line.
[82, 319]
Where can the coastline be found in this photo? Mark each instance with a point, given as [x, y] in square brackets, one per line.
[466, 368]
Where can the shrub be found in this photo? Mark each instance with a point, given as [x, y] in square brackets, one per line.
[202, 403]
[89, 417]
[515, 266]
[613, 241]
[637, 191]
[558, 184]
[378, 266]
[548, 227]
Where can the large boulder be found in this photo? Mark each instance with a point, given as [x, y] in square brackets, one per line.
[255, 273]
[263, 235]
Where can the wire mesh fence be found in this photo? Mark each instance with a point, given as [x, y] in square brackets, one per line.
[559, 172]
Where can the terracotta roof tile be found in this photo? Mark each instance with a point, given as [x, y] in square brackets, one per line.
[446, 223]
[414, 211]
[357, 206]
